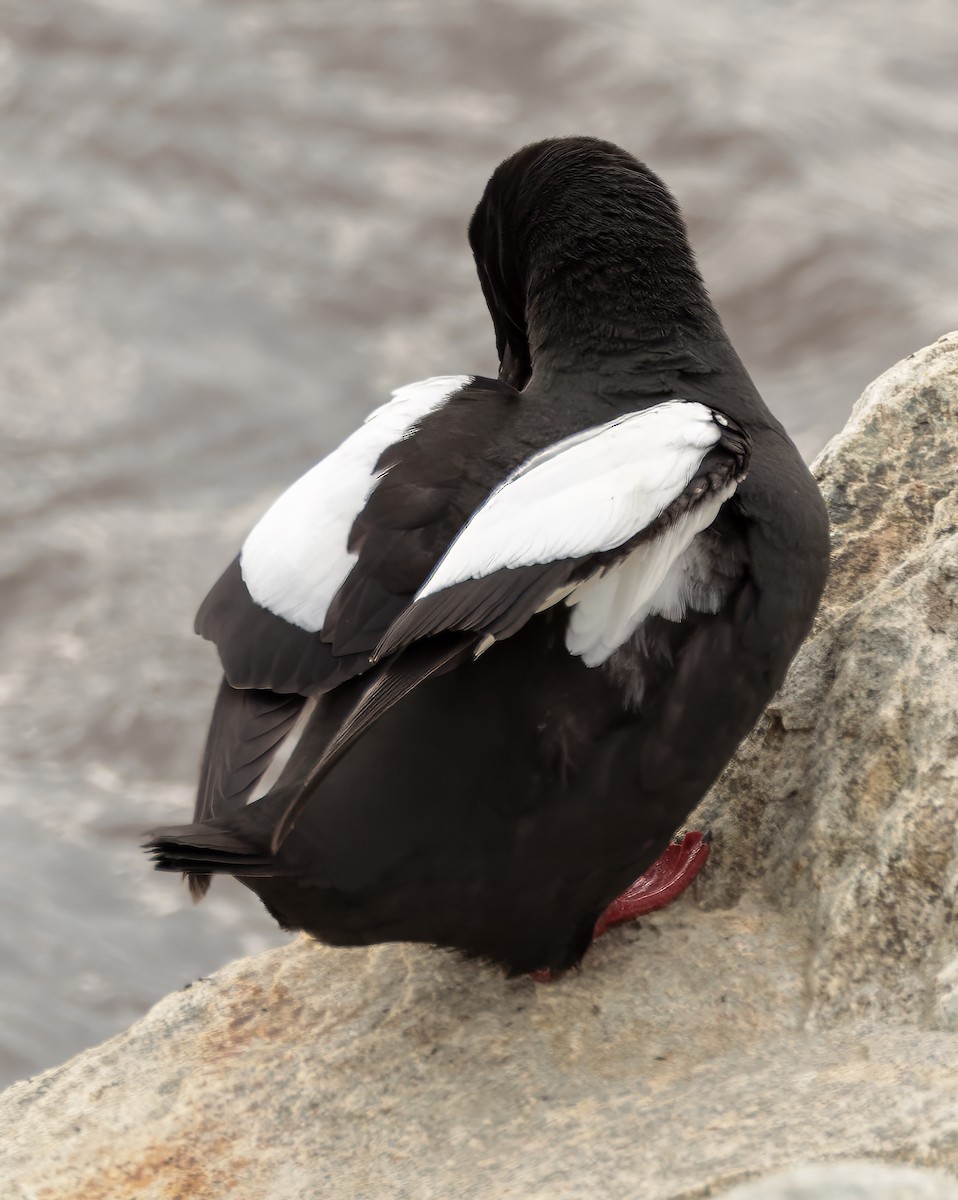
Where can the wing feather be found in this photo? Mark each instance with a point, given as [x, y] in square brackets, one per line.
[245, 731]
[584, 495]
[598, 520]
[297, 556]
[388, 686]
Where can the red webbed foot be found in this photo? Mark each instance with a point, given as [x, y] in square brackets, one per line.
[667, 878]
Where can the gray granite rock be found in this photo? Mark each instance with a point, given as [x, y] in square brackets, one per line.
[842, 807]
[860, 1180]
[801, 1005]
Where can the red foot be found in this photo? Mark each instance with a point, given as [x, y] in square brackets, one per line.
[667, 878]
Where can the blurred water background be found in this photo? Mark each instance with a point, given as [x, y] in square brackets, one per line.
[229, 227]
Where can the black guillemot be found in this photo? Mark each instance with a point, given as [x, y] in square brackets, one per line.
[514, 628]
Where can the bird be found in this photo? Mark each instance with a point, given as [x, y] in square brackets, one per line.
[484, 659]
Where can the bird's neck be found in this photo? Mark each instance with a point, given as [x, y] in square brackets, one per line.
[641, 313]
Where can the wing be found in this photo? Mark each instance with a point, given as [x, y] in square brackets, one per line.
[598, 520]
[601, 520]
[266, 612]
[247, 727]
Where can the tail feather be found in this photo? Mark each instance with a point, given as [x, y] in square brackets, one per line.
[205, 849]
[246, 841]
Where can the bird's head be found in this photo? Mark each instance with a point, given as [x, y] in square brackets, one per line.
[575, 238]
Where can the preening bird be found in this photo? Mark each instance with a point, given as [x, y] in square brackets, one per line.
[514, 628]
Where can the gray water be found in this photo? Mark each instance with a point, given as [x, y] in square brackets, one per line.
[229, 227]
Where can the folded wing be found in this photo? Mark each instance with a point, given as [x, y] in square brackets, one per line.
[266, 612]
[598, 520]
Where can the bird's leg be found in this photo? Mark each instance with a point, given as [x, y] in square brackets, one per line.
[667, 878]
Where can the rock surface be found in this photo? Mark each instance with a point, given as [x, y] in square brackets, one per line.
[842, 807]
[802, 1005]
[849, 1181]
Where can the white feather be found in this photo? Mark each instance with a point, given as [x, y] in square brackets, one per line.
[588, 493]
[655, 578]
[295, 559]
[284, 752]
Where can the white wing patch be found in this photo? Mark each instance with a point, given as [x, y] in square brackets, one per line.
[588, 493]
[295, 559]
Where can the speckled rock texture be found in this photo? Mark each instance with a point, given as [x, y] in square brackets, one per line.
[800, 1006]
[849, 1181]
[842, 807]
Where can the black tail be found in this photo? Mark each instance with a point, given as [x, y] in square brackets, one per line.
[246, 842]
[207, 849]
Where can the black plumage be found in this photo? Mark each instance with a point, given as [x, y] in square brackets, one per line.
[464, 779]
